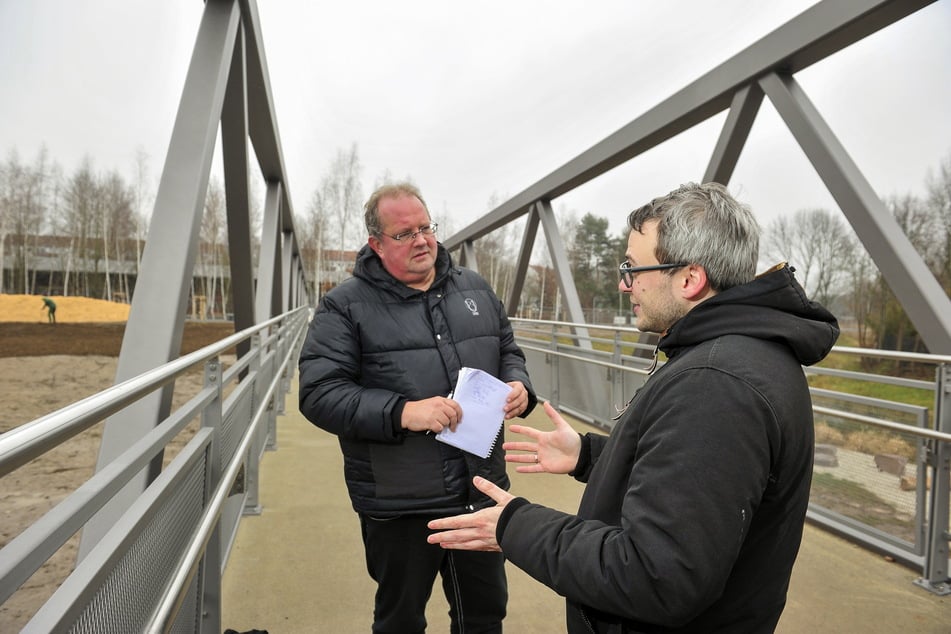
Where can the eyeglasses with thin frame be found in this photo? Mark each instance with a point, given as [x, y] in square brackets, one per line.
[628, 272]
[426, 230]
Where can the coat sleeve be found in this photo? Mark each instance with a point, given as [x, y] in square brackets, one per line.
[684, 506]
[330, 396]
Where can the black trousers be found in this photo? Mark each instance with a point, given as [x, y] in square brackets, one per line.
[404, 566]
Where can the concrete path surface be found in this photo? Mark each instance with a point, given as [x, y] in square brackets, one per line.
[298, 567]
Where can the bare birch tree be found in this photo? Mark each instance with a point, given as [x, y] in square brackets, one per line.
[212, 244]
[77, 220]
[342, 196]
[116, 226]
[143, 197]
[312, 228]
[23, 205]
[938, 186]
[818, 245]
[7, 197]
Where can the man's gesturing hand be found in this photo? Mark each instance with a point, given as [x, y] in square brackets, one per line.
[472, 531]
[555, 451]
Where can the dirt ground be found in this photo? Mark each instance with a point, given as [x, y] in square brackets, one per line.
[44, 367]
[19, 339]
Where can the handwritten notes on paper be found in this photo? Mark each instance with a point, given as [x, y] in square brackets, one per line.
[482, 398]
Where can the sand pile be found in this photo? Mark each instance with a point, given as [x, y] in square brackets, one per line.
[30, 308]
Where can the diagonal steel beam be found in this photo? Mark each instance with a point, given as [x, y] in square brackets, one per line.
[923, 299]
[153, 333]
[818, 32]
[736, 129]
[524, 259]
[566, 282]
[261, 114]
[268, 300]
[234, 152]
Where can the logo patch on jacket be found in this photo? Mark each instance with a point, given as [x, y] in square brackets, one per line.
[471, 305]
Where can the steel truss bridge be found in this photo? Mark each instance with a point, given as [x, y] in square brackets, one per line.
[166, 530]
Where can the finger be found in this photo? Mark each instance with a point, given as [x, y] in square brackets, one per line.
[516, 445]
[460, 539]
[449, 407]
[531, 432]
[500, 495]
[530, 468]
[528, 455]
[475, 544]
[555, 417]
[451, 522]
[521, 459]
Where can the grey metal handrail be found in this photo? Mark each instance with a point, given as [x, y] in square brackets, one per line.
[557, 358]
[24, 554]
[164, 615]
[26, 442]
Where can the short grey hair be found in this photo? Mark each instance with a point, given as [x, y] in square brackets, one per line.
[371, 210]
[705, 225]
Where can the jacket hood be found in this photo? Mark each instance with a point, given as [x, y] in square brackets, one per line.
[369, 267]
[773, 307]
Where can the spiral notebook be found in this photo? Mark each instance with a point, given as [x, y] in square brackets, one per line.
[482, 398]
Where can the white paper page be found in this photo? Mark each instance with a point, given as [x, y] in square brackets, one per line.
[482, 398]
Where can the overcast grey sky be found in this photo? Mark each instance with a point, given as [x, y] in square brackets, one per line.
[479, 99]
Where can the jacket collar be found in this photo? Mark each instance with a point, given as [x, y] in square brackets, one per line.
[369, 268]
[773, 306]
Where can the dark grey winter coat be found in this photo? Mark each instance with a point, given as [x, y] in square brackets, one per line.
[374, 344]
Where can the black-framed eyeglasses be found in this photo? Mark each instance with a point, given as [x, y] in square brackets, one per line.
[628, 272]
[426, 230]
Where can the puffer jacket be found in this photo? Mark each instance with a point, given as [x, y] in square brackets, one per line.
[374, 344]
[692, 515]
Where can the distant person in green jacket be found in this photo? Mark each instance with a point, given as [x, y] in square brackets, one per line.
[50, 306]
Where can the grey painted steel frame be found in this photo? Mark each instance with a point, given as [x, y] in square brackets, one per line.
[738, 84]
[228, 45]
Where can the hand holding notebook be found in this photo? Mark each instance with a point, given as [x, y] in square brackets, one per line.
[482, 398]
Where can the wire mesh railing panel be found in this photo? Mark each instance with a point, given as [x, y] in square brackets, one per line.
[234, 424]
[869, 474]
[188, 619]
[126, 599]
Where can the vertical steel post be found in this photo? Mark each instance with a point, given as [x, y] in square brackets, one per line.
[210, 568]
[937, 578]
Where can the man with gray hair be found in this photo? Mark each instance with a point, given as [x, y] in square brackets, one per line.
[692, 515]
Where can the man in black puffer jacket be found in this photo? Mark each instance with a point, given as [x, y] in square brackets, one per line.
[381, 356]
[694, 506]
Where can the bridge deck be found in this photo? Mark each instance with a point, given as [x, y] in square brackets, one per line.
[298, 567]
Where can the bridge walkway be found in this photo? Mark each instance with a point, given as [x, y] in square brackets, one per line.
[298, 567]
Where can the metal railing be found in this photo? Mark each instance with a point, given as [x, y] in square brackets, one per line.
[881, 475]
[158, 568]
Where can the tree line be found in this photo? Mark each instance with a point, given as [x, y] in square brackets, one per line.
[83, 234]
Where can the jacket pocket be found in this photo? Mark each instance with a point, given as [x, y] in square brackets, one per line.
[412, 469]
